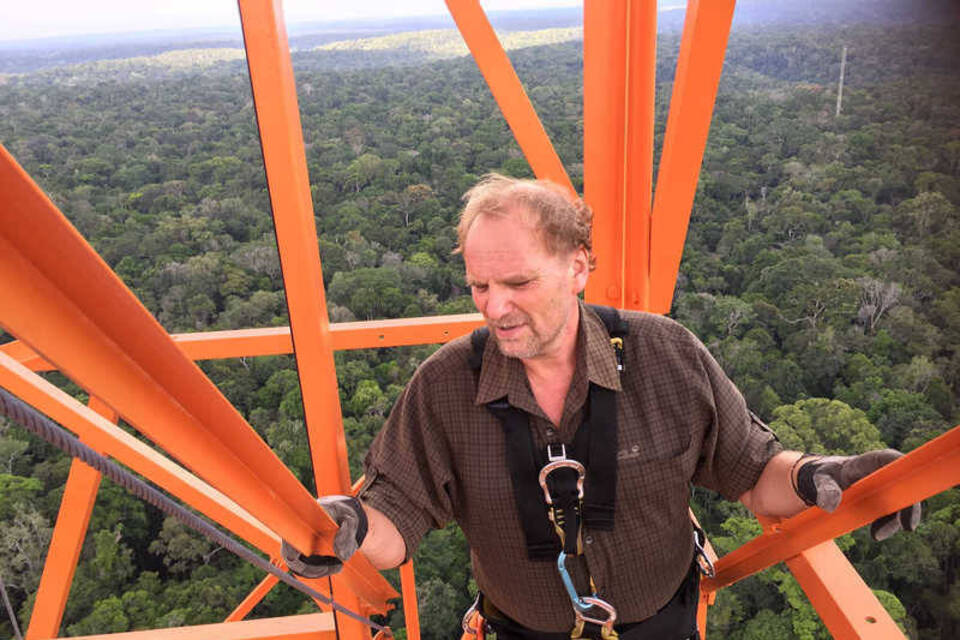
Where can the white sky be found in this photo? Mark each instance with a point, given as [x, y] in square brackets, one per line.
[23, 19]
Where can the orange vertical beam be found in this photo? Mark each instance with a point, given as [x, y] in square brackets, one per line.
[253, 599]
[604, 96]
[844, 602]
[508, 91]
[76, 505]
[641, 76]
[411, 609]
[704, 43]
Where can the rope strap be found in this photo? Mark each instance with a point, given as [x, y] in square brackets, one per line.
[38, 424]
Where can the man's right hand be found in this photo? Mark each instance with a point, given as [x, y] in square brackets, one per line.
[349, 515]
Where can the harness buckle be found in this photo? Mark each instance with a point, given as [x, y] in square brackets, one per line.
[561, 463]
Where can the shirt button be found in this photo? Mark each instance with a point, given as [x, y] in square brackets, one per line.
[551, 432]
[588, 539]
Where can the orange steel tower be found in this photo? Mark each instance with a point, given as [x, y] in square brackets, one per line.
[70, 312]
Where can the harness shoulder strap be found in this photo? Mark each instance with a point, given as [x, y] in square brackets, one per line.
[478, 342]
[616, 326]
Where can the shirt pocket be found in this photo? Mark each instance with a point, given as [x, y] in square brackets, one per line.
[655, 480]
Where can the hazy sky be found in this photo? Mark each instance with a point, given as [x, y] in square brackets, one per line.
[42, 18]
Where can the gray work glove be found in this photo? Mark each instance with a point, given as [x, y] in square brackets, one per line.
[348, 513]
[821, 482]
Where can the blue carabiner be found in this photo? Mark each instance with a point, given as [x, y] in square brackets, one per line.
[578, 603]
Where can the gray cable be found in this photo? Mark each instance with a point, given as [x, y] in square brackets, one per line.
[13, 616]
[40, 425]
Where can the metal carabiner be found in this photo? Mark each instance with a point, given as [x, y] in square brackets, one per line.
[606, 626]
[467, 622]
[704, 563]
[578, 603]
[561, 463]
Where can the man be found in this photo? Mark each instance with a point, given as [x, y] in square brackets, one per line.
[447, 451]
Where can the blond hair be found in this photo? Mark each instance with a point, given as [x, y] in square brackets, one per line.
[563, 224]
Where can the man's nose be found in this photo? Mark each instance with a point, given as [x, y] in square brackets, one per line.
[499, 302]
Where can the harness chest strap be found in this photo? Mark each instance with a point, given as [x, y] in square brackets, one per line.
[562, 479]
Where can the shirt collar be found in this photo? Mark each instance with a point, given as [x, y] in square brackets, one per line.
[504, 376]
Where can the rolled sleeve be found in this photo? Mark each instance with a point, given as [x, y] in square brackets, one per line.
[408, 467]
[736, 445]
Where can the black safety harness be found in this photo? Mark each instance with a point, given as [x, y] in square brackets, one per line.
[557, 490]
[560, 489]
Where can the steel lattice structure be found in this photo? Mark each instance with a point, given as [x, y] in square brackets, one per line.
[70, 312]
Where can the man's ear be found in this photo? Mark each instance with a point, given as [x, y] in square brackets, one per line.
[579, 269]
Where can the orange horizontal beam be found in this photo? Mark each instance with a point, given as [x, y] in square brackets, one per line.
[700, 61]
[312, 626]
[844, 602]
[924, 472]
[271, 341]
[508, 92]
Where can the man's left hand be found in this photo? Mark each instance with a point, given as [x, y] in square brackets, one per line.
[821, 482]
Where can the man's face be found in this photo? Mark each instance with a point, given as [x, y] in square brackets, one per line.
[527, 295]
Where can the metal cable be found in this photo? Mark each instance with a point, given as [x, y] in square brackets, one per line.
[40, 425]
[13, 616]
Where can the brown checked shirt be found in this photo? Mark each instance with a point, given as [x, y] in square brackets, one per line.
[441, 457]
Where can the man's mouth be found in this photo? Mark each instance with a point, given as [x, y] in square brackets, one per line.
[507, 331]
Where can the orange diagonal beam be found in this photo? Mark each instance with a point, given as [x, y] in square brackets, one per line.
[61, 299]
[411, 607]
[76, 505]
[107, 438]
[284, 159]
[508, 91]
[253, 599]
[702, 49]
[847, 606]
[924, 472]
[281, 137]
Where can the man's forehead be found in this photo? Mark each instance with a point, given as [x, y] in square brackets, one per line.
[502, 275]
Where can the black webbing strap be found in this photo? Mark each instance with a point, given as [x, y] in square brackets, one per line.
[600, 487]
[616, 326]
[542, 542]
